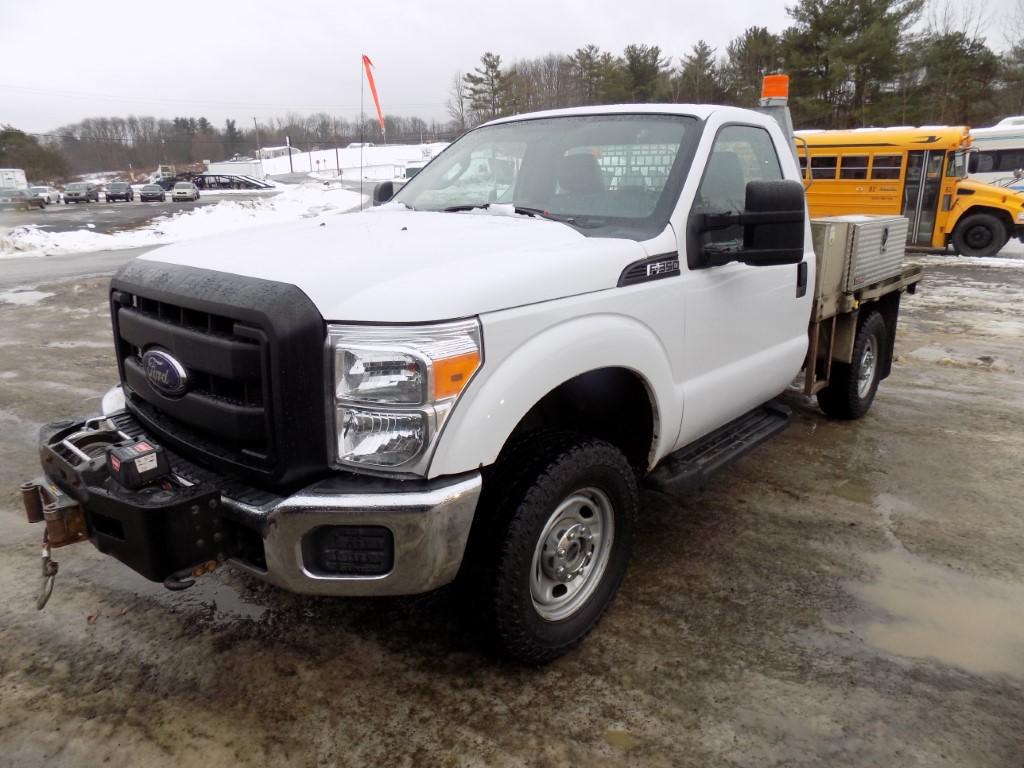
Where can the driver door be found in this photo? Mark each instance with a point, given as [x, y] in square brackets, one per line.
[746, 326]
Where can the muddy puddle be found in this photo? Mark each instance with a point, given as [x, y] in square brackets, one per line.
[919, 609]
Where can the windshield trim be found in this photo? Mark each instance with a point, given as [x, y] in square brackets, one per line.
[595, 225]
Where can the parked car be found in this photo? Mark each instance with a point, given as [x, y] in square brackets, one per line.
[47, 194]
[20, 199]
[81, 192]
[119, 190]
[185, 190]
[152, 192]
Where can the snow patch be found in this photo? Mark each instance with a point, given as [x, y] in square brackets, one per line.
[22, 297]
[78, 344]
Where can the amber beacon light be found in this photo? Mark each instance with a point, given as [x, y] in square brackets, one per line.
[775, 87]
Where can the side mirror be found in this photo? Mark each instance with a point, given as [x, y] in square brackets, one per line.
[383, 192]
[772, 222]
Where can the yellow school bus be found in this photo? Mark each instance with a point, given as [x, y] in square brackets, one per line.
[917, 172]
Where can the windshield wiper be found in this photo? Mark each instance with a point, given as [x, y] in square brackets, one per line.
[527, 211]
[467, 207]
[520, 209]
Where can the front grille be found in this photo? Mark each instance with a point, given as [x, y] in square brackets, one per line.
[224, 359]
[252, 351]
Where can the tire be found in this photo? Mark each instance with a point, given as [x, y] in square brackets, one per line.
[852, 386]
[555, 500]
[980, 234]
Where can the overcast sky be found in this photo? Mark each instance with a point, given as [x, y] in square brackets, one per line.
[230, 58]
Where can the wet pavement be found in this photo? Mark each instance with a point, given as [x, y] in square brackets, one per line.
[846, 595]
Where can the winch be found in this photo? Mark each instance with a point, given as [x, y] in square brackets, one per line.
[117, 490]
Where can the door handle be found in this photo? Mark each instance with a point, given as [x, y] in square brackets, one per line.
[801, 279]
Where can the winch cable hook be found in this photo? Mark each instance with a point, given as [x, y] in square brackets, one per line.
[49, 575]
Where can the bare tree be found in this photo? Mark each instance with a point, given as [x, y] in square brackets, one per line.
[968, 17]
[458, 101]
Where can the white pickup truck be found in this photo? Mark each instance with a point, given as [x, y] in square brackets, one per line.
[472, 380]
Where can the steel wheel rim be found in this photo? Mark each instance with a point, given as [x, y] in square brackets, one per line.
[577, 538]
[868, 363]
[979, 237]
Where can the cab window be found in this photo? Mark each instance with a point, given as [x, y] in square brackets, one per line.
[740, 154]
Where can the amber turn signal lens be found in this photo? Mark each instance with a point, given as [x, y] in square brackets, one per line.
[451, 374]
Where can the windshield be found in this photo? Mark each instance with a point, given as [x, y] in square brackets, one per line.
[151, 188]
[118, 185]
[608, 175]
[38, 189]
[77, 186]
[182, 185]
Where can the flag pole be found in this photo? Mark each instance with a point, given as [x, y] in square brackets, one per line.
[361, 142]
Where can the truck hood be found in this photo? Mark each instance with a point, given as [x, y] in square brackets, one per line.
[395, 265]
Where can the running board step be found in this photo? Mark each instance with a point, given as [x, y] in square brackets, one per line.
[689, 468]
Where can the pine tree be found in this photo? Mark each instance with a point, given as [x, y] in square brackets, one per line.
[646, 72]
[749, 57]
[587, 73]
[488, 89]
[699, 80]
[840, 54]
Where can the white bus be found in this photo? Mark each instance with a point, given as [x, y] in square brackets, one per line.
[997, 153]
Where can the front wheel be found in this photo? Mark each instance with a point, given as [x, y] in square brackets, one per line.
[852, 386]
[557, 517]
[980, 234]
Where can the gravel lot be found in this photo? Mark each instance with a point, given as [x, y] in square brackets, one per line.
[848, 594]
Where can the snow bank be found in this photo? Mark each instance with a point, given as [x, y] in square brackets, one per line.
[295, 202]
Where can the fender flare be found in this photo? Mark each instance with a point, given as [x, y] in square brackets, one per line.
[503, 392]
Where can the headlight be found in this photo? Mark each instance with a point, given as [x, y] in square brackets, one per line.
[1020, 217]
[394, 387]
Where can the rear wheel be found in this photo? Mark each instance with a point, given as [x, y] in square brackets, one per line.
[980, 234]
[852, 386]
[556, 527]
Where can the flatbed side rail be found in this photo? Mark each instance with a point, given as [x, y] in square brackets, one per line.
[825, 334]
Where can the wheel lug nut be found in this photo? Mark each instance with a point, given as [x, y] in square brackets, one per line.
[561, 552]
[560, 570]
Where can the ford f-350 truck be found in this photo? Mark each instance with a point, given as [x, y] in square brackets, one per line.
[473, 380]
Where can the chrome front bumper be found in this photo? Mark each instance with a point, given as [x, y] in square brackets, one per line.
[429, 520]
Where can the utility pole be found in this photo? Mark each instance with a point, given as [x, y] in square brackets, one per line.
[334, 130]
[259, 149]
[288, 146]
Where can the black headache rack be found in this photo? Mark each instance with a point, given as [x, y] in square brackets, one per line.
[250, 355]
[177, 527]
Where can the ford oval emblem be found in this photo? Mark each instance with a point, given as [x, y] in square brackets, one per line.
[166, 374]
